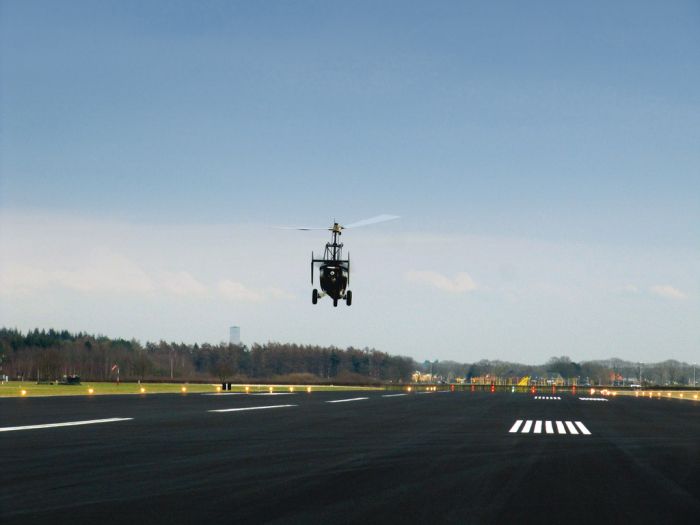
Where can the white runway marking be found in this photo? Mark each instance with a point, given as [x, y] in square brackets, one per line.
[536, 428]
[550, 398]
[583, 428]
[393, 395]
[347, 400]
[592, 399]
[250, 408]
[67, 424]
[571, 427]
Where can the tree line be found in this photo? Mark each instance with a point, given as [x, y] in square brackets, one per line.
[51, 354]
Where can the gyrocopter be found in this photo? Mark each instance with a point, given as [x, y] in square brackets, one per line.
[333, 269]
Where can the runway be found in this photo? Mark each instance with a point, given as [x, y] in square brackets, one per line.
[349, 457]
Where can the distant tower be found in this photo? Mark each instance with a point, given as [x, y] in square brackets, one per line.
[234, 335]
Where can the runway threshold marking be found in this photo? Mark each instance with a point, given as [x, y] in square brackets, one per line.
[393, 395]
[549, 398]
[592, 399]
[574, 428]
[250, 408]
[347, 400]
[67, 424]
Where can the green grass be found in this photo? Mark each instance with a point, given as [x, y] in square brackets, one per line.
[31, 389]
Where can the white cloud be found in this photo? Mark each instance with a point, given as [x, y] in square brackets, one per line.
[462, 283]
[112, 274]
[236, 291]
[181, 283]
[665, 290]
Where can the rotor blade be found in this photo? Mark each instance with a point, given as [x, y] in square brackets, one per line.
[372, 220]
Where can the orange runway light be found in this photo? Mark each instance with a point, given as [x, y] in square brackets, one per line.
[409, 389]
[184, 389]
[291, 389]
[91, 390]
[308, 390]
[143, 390]
[23, 392]
[270, 390]
[218, 389]
[247, 390]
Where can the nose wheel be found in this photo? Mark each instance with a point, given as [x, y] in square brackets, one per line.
[314, 296]
[348, 298]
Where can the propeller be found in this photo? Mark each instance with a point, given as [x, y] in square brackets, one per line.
[365, 222]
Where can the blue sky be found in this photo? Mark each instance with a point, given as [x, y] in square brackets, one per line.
[550, 151]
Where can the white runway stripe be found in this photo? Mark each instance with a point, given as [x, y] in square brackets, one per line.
[347, 400]
[250, 408]
[67, 424]
[551, 398]
[536, 427]
[583, 428]
[592, 399]
[571, 427]
[393, 395]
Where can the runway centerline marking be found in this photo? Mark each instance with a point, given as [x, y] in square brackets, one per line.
[250, 408]
[393, 395]
[67, 424]
[347, 400]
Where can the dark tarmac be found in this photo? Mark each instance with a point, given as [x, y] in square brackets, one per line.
[430, 458]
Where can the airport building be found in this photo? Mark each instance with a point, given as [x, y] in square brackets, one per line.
[234, 335]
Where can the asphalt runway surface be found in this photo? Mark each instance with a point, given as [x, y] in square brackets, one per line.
[458, 457]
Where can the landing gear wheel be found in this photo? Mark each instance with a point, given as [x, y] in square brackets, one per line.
[348, 298]
[314, 296]
[335, 302]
